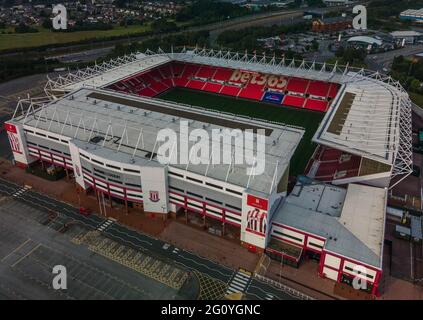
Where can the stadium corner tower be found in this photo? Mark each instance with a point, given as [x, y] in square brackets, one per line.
[101, 123]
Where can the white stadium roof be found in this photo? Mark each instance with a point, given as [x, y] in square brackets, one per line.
[352, 220]
[128, 126]
[377, 124]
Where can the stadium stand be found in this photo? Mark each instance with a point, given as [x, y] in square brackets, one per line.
[222, 74]
[328, 164]
[212, 87]
[299, 93]
[294, 101]
[297, 85]
[318, 88]
[318, 105]
[230, 90]
[252, 91]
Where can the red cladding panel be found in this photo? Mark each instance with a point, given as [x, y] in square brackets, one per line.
[10, 127]
[257, 202]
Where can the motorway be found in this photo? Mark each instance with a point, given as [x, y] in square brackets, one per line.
[253, 288]
[381, 61]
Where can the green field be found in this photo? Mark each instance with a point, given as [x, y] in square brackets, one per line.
[47, 37]
[417, 98]
[308, 120]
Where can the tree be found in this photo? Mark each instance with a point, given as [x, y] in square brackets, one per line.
[47, 23]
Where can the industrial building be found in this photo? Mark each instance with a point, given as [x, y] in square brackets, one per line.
[412, 15]
[407, 36]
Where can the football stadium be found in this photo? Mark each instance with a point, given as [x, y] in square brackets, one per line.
[336, 140]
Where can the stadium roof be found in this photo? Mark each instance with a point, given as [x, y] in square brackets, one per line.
[377, 124]
[365, 39]
[128, 125]
[352, 220]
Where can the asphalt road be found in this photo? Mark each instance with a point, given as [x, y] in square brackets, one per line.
[380, 61]
[137, 240]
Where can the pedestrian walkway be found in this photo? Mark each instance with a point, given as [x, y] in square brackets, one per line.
[239, 282]
[105, 225]
[21, 191]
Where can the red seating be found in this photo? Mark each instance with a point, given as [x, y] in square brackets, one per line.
[178, 69]
[318, 88]
[297, 85]
[326, 170]
[318, 105]
[212, 87]
[223, 74]
[148, 92]
[158, 87]
[333, 90]
[190, 71]
[216, 79]
[352, 164]
[205, 72]
[293, 101]
[168, 82]
[195, 84]
[166, 71]
[330, 155]
[230, 90]
[180, 82]
[252, 91]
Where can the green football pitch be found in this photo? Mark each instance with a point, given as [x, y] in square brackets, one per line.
[307, 119]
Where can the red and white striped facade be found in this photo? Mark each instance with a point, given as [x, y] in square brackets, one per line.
[332, 265]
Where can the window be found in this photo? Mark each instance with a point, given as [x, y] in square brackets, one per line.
[195, 205]
[115, 181]
[212, 200]
[131, 170]
[100, 176]
[213, 185]
[133, 185]
[233, 218]
[359, 271]
[194, 195]
[288, 236]
[177, 189]
[98, 170]
[175, 174]
[233, 207]
[84, 156]
[57, 151]
[113, 167]
[96, 161]
[315, 245]
[195, 180]
[40, 134]
[234, 192]
[133, 195]
[54, 138]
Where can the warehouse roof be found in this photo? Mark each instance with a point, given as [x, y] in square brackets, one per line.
[129, 125]
[352, 220]
[406, 33]
[365, 39]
